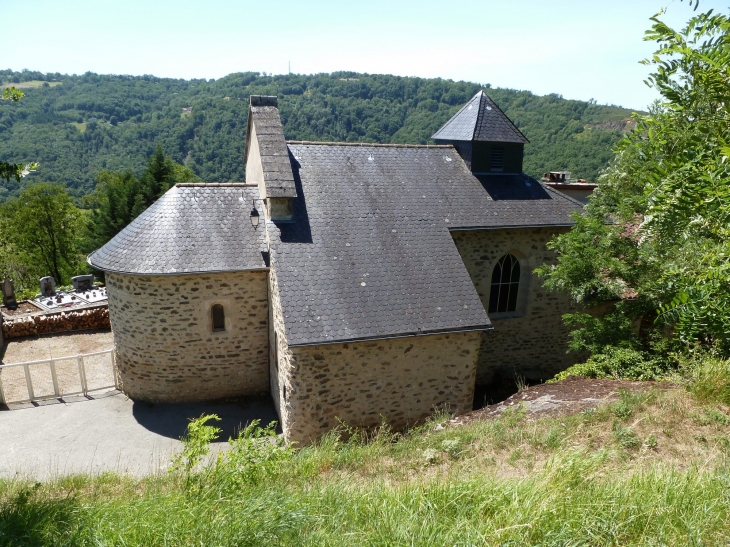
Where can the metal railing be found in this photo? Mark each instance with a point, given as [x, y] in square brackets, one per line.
[58, 390]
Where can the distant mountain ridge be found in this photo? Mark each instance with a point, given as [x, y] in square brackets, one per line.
[78, 125]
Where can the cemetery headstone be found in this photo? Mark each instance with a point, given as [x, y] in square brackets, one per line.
[48, 286]
[83, 282]
[8, 291]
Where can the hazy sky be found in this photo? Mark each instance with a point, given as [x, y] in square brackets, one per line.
[581, 49]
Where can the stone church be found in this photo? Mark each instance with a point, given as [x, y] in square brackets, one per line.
[357, 282]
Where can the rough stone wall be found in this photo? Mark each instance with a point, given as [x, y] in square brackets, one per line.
[531, 342]
[279, 354]
[399, 380]
[166, 348]
[58, 321]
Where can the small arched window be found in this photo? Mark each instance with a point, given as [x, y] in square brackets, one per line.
[505, 285]
[218, 317]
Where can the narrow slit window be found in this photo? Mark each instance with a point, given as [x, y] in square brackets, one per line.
[497, 163]
[505, 285]
[219, 318]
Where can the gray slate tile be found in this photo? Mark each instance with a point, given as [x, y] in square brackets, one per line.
[192, 228]
[370, 253]
[480, 120]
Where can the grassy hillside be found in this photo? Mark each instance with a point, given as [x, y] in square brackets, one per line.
[650, 469]
[76, 125]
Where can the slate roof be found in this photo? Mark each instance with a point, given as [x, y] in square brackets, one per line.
[192, 228]
[480, 120]
[370, 255]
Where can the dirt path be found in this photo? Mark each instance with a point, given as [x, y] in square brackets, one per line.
[566, 397]
[98, 369]
[65, 344]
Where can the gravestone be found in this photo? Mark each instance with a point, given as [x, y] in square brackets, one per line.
[48, 286]
[83, 282]
[9, 294]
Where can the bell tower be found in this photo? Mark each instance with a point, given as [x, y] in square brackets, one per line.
[484, 137]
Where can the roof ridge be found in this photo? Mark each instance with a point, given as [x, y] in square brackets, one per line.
[479, 111]
[215, 184]
[373, 144]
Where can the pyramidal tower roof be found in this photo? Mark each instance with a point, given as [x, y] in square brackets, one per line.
[480, 120]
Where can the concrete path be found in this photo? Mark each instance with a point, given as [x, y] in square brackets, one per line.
[108, 433]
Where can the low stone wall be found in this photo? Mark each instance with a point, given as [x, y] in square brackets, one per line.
[92, 318]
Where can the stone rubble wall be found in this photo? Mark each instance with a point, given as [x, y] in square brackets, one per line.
[533, 341]
[400, 381]
[279, 354]
[166, 348]
[92, 318]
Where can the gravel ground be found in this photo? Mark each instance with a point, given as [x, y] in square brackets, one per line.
[98, 368]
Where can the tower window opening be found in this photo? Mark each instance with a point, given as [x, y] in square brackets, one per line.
[218, 317]
[497, 163]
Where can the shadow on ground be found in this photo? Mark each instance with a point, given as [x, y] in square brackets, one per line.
[501, 388]
[171, 420]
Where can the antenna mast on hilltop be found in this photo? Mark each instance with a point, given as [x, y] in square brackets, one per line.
[289, 67]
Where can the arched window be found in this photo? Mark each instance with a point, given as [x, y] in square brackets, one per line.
[219, 318]
[505, 285]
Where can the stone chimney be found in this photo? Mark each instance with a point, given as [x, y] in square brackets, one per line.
[267, 158]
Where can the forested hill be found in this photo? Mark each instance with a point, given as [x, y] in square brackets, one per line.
[75, 126]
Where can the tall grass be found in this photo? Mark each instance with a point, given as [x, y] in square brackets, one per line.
[563, 505]
[709, 378]
[590, 479]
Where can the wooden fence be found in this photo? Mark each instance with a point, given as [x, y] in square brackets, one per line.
[57, 377]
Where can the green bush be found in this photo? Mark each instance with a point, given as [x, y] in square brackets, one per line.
[619, 363]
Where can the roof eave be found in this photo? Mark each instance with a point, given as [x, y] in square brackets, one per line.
[157, 274]
[475, 328]
[510, 226]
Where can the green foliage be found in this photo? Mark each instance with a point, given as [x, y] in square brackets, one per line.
[196, 445]
[11, 94]
[14, 170]
[620, 363]
[41, 228]
[53, 125]
[120, 197]
[626, 437]
[595, 334]
[709, 378]
[256, 455]
[657, 230]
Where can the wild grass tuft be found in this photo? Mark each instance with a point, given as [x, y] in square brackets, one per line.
[709, 378]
